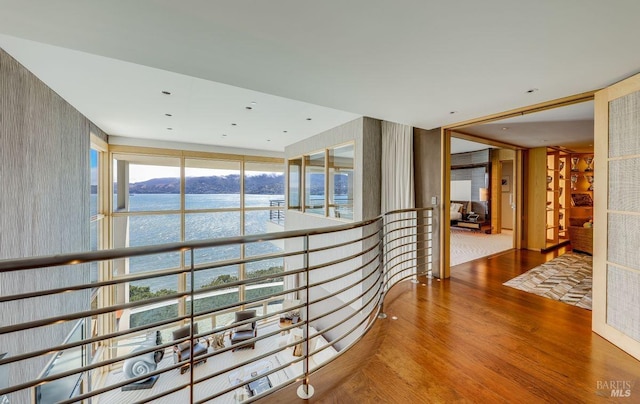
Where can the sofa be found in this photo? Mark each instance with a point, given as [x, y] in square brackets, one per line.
[318, 342]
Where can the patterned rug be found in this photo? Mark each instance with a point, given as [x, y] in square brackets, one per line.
[567, 278]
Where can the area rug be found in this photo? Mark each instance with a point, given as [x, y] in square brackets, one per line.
[567, 278]
[469, 245]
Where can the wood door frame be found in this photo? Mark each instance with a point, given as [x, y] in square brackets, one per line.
[447, 130]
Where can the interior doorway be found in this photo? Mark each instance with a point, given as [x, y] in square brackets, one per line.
[477, 182]
[565, 125]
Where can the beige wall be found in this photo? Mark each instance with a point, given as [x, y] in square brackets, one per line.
[44, 206]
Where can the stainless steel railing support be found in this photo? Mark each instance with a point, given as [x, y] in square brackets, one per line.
[305, 390]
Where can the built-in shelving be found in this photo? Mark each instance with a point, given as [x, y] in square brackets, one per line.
[558, 197]
[581, 185]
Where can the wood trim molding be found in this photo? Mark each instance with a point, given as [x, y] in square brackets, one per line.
[543, 106]
[445, 226]
[475, 138]
[151, 151]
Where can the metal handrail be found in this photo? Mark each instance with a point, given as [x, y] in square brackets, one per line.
[381, 269]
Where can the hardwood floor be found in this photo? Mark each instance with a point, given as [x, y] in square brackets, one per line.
[470, 339]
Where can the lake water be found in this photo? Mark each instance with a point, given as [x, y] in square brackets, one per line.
[165, 228]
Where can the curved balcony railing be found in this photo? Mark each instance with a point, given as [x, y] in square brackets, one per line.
[327, 296]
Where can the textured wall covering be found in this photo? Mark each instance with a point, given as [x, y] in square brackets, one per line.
[623, 255]
[623, 180]
[623, 240]
[44, 205]
[624, 126]
[428, 178]
[623, 310]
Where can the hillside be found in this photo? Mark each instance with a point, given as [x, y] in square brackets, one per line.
[265, 184]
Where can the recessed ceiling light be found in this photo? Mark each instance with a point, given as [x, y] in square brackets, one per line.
[165, 92]
[452, 112]
[253, 103]
[169, 128]
[308, 119]
[234, 124]
[268, 140]
[248, 107]
[168, 115]
[223, 135]
[284, 131]
[505, 128]
[532, 90]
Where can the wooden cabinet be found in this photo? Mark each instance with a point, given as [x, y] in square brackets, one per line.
[581, 184]
[555, 203]
[547, 198]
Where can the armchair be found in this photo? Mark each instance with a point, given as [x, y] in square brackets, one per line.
[182, 350]
[245, 331]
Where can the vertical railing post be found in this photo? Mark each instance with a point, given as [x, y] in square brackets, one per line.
[192, 305]
[381, 266]
[428, 240]
[413, 244]
[305, 391]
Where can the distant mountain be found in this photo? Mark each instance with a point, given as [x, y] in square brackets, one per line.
[265, 184]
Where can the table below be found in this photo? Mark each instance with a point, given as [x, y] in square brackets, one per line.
[239, 377]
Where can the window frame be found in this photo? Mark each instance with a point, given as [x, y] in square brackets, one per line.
[150, 154]
[327, 211]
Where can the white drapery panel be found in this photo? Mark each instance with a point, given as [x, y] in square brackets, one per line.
[397, 167]
[398, 193]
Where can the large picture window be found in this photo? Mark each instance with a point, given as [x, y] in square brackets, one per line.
[295, 184]
[314, 183]
[341, 182]
[327, 178]
[163, 199]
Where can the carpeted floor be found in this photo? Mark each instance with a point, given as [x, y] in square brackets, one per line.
[567, 278]
[468, 245]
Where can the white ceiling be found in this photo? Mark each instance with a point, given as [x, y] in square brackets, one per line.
[570, 127]
[412, 62]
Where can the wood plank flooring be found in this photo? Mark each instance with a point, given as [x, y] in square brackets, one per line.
[471, 339]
